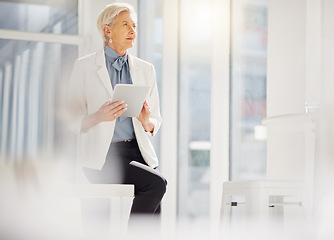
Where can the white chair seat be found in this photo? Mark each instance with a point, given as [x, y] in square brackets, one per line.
[120, 195]
[103, 190]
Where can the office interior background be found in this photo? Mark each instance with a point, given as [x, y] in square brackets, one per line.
[245, 93]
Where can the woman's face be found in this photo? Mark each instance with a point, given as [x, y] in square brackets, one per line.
[123, 32]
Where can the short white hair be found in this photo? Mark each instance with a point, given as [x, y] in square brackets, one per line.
[109, 15]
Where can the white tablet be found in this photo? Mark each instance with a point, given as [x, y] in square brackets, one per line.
[133, 95]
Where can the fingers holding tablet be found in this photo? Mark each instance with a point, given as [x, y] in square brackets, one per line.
[107, 112]
[110, 111]
[117, 109]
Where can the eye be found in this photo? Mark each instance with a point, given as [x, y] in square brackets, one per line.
[134, 26]
[125, 24]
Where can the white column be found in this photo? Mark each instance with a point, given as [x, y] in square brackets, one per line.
[169, 106]
[220, 94]
[14, 112]
[21, 99]
[34, 99]
[5, 110]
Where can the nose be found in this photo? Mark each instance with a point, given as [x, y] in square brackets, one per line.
[133, 30]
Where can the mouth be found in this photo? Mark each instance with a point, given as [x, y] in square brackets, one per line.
[131, 39]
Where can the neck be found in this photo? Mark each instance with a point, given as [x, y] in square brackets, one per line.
[119, 50]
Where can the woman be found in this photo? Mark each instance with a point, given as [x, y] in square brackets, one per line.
[112, 148]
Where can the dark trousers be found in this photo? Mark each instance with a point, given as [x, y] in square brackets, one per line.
[125, 164]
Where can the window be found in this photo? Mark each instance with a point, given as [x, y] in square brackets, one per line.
[247, 99]
[21, 16]
[150, 43]
[248, 89]
[194, 109]
[34, 77]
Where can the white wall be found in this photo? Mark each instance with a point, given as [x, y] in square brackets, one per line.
[286, 86]
[286, 56]
[300, 68]
[324, 166]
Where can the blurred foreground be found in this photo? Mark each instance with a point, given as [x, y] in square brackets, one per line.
[37, 204]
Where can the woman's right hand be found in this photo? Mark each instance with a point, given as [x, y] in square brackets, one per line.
[107, 112]
[110, 111]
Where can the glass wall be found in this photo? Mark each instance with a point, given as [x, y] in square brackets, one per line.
[248, 89]
[32, 94]
[42, 17]
[150, 43]
[247, 99]
[194, 109]
[33, 79]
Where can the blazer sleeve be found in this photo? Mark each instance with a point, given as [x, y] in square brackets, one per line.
[154, 103]
[77, 104]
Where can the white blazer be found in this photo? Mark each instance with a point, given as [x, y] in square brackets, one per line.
[89, 89]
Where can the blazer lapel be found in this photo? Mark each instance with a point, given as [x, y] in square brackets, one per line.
[103, 71]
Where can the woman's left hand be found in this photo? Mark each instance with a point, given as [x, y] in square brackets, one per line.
[144, 117]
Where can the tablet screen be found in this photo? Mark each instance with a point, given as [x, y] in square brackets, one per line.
[133, 95]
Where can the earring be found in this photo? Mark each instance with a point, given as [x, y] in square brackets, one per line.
[110, 41]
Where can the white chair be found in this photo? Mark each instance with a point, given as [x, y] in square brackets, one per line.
[121, 197]
[260, 199]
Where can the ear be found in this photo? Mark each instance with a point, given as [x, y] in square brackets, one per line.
[106, 30]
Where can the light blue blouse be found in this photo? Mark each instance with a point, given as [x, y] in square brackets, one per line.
[119, 72]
